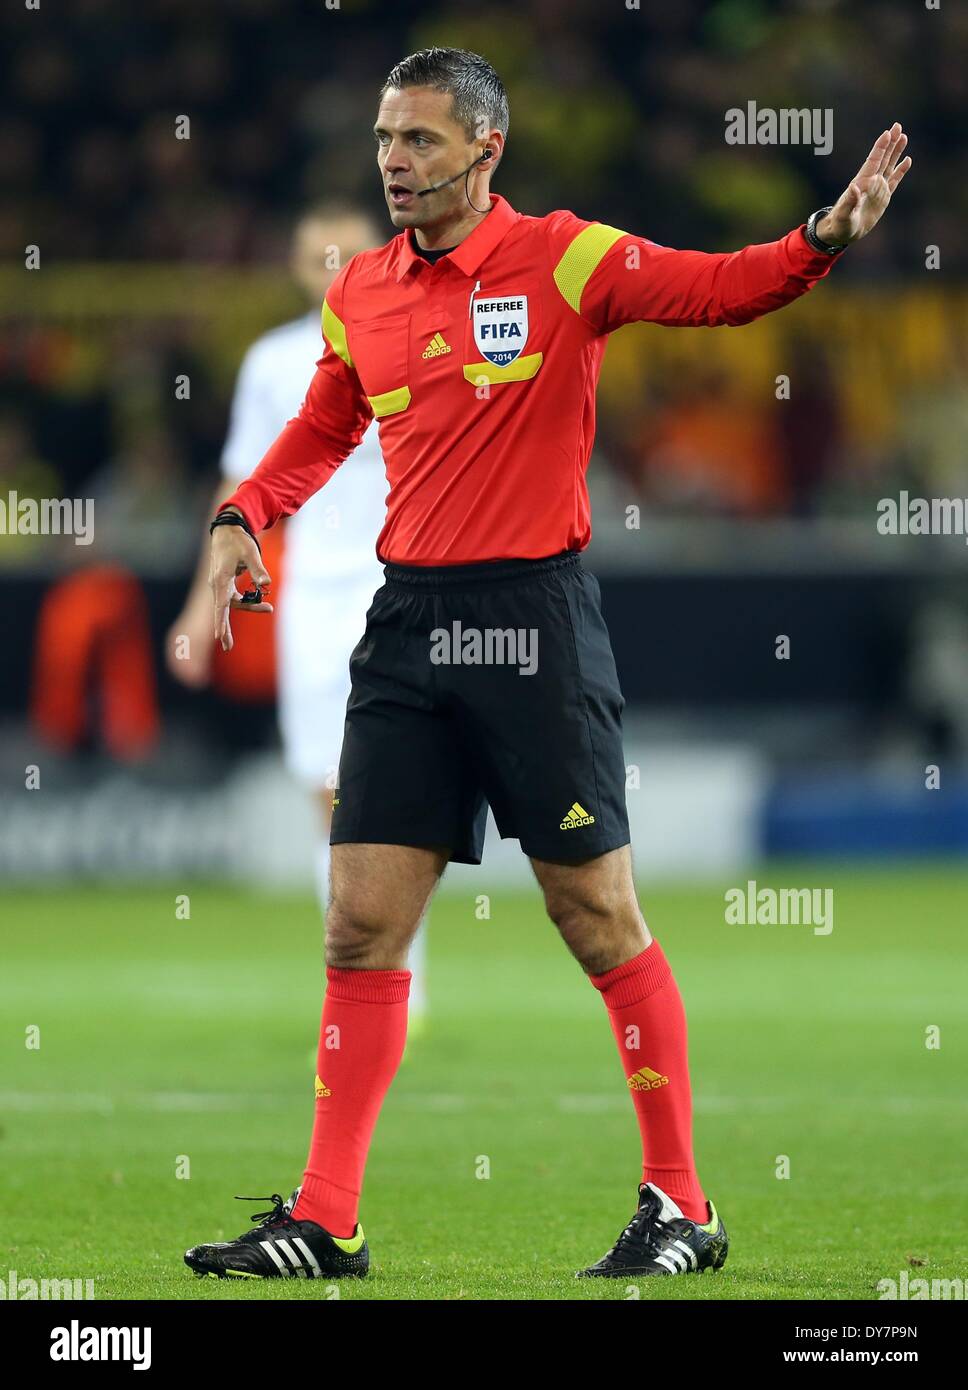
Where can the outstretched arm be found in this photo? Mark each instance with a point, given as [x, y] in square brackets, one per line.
[612, 278]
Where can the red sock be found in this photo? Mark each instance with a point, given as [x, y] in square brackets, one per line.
[649, 1022]
[361, 1041]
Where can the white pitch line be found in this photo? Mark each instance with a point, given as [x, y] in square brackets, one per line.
[595, 1103]
[441, 1103]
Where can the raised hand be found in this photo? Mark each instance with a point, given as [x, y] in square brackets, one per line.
[864, 201]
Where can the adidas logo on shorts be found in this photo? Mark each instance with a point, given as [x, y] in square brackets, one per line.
[576, 817]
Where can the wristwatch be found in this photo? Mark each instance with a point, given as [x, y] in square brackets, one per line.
[810, 232]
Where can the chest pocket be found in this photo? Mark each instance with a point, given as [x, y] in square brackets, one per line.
[381, 355]
[502, 336]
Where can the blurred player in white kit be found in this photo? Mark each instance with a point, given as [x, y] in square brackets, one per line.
[330, 567]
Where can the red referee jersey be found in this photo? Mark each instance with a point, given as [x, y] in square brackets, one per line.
[482, 369]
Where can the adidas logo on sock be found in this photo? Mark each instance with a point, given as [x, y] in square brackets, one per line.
[645, 1079]
[576, 817]
[437, 347]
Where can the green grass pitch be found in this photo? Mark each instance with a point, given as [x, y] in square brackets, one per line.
[162, 1038]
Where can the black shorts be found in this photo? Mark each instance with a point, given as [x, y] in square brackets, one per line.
[488, 683]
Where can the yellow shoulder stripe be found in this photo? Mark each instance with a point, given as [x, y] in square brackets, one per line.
[581, 260]
[390, 402]
[335, 334]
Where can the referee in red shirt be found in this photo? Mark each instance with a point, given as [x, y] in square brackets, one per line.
[485, 675]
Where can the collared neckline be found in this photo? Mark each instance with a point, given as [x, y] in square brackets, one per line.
[474, 249]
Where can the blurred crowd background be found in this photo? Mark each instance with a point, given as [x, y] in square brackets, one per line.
[162, 256]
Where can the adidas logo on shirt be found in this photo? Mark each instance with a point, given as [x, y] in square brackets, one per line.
[437, 347]
[645, 1079]
[576, 817]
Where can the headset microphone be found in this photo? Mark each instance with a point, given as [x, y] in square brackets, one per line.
[436, 187]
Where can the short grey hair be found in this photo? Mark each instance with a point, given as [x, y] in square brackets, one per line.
[478, 93]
